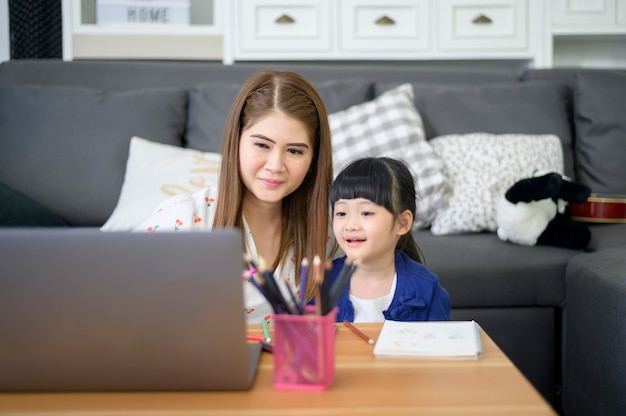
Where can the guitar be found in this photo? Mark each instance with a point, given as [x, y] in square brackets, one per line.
[599, 208]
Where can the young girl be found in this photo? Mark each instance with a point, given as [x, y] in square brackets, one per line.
[274, 180]
[373, 202]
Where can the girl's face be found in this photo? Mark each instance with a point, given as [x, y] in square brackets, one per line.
[274, 157]
[367, 232]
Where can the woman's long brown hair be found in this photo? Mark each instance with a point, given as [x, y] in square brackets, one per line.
[305, 211]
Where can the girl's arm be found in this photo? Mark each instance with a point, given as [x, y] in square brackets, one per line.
[440, 304]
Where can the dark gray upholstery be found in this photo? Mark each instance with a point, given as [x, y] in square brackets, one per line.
[66, 149]
[110, 76]
[532, 107]
[595, 334]
[601, 131]
[18, 210]
[516, 276]
[208, 104]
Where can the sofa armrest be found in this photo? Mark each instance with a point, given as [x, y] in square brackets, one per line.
[595, 334]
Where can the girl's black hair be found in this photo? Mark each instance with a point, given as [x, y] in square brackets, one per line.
[386, 182]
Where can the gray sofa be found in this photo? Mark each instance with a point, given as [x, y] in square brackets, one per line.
[557, 313]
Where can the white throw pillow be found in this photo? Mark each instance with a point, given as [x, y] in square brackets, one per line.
[390, 126]
[480, 167]
[155, 172]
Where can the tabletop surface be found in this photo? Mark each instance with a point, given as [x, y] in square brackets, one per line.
[363, 385]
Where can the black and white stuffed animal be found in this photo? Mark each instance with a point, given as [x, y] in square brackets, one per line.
[531, 212]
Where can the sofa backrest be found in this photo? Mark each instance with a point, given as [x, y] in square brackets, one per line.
[113, 75]
[72, 121]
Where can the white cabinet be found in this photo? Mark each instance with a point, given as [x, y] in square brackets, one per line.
[383, 29]
[201, 39]
[395, 26]
[545, 33]
[489, 25]
[588, 16]
[291, 27]
[587, 33]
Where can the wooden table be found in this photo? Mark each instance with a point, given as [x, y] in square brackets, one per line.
[363, 385]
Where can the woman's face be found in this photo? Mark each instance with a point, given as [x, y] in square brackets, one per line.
[274, 157]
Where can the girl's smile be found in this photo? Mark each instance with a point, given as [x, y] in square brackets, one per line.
[354, 241]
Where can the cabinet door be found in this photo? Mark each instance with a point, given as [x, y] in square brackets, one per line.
[621, 13]
[388, 26]
[488, 25]
[285, 26]
[583, 13]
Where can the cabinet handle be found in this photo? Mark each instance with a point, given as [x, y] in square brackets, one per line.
[285, 19]
[482, 20]
[385, 20]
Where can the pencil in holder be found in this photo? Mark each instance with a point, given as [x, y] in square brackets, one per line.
[304, 350]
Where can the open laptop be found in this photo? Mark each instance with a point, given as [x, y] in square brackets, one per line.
[84, 310]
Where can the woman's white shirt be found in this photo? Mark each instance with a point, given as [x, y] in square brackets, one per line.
[195, 212]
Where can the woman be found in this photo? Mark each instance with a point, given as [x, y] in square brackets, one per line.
[274, 180]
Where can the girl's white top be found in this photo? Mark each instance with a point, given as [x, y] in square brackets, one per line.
[195, 212]
[371, 310]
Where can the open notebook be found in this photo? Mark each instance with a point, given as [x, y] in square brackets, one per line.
[91, 311]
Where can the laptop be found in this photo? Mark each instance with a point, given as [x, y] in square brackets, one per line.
[85, 310]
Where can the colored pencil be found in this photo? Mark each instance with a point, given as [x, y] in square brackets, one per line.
[249, 276]
[266, 331]
[304, 271]
[358, 332]
[292, 296]
[255, 337]
[340, 283]
[318, 278]
[267, 347]
[269, 286]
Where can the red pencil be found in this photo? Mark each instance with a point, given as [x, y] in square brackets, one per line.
[358, 332]
[255, 337]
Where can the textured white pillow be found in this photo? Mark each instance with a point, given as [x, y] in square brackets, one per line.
[480, 167]
[390, 126]
[155, 172]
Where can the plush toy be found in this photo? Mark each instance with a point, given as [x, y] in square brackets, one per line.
[531, 212]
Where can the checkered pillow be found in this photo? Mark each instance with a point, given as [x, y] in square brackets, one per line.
[390, 126]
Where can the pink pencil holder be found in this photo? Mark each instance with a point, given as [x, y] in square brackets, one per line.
[304, 351]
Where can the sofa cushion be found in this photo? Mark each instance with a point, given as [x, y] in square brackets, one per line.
[210, 103]
[390, 126]
[601, 130]
[66, 147]
[534, 107]
[480, 167]
[155, 171]
[480, 270]
[17, 209]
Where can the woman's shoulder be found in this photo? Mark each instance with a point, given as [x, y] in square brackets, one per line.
[182, 212]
